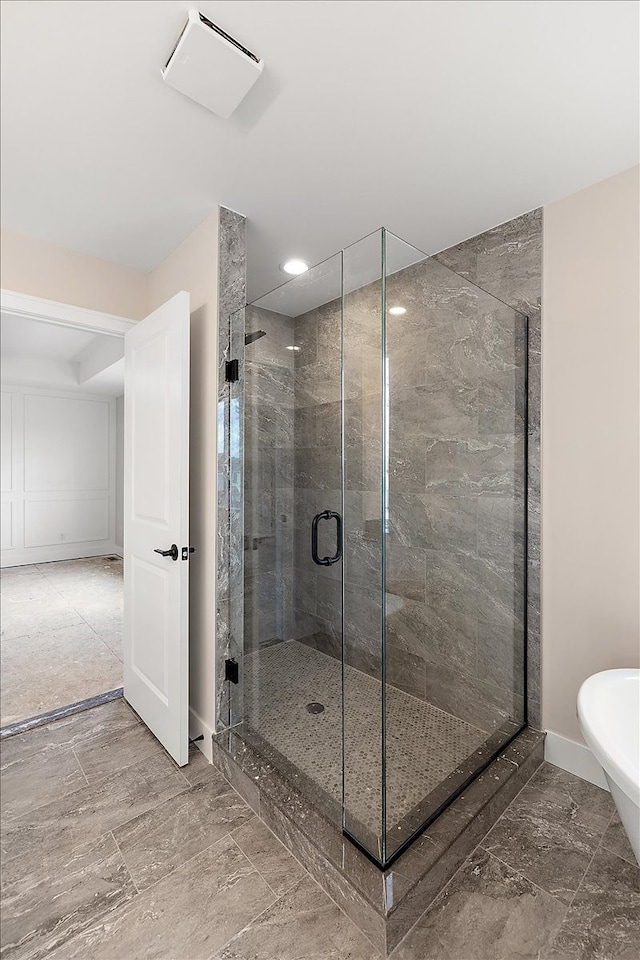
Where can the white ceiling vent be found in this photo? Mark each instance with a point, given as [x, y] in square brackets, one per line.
[211, 67]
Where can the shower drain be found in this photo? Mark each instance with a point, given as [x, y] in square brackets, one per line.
[315, 707]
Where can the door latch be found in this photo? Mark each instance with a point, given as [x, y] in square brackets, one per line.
[186, 551]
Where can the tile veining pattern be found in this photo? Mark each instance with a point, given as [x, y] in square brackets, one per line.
[282, 679]
[110, 851]
[507, 262]
[232, 283]
[455, 514]
[268, 479]
[61, 635]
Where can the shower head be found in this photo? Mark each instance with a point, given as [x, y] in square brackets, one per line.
[251, 337]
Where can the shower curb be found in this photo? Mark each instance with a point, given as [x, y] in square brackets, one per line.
[384, 904]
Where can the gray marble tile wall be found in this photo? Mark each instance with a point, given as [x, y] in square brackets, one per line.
[507, 262]
[318, 478]
[455, 537]
[232, 296]
[268, 479]
[317, 618]
[455, 514]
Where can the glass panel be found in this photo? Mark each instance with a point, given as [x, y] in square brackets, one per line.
[455, 534]
[292, 472]
[362, 574]
[365, 506]
[235, 520]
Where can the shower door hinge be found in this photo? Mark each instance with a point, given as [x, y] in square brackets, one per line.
[231, 371]
[231, 670]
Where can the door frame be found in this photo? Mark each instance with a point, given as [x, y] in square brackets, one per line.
[63, 314]
[28, 307]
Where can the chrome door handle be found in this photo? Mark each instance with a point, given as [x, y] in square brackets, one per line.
[172, 552]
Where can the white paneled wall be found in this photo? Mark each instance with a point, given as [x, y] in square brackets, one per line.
[58, 475]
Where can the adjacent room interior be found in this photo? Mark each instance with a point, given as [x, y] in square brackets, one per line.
[62, 490]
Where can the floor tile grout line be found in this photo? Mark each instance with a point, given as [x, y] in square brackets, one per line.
[127, 867]
[123, 908]
[73, 751]
[201, 850]
[614, 853]
[440, 893]
[97, 783]
[65, 744]
[257, 916]
[504, 812]
[39, 806]
[593, 856]
[297, 860]
[102, 640]
[62, 796]
[577, 890]
[523, 876]
[255, 867]
[524, 787]
[143, 892]
[286, 850]
[276, 837]
[310, 875]
[434, 899]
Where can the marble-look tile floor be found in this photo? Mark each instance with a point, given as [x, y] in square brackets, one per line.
[61, 637]
[110, 851]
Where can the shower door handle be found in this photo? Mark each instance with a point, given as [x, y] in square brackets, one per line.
[326, 515]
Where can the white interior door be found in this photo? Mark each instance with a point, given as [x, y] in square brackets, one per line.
[156, 518]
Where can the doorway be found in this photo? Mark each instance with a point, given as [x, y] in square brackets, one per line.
[61, 582]
[82, 469]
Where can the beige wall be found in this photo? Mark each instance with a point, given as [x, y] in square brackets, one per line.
[43, 270]
[193, 266]
[590, 441]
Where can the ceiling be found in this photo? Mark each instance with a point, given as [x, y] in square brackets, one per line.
[21, 337]
[435, 119]
[38, 353]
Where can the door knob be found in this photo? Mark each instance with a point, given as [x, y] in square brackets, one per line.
[172, 552]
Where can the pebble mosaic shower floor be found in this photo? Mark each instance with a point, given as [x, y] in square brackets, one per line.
[424, 744]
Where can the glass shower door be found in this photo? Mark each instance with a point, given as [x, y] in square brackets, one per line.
[289, 700]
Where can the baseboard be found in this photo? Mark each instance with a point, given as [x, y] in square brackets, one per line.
[71, 551]
[574, 757]
[197, 728]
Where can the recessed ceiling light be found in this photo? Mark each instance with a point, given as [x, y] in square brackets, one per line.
[397, 311]
[295, 266]
[293, 348]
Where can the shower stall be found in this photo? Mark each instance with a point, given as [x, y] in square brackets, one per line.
[378, 531]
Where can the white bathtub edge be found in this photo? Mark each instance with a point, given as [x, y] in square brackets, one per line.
[575, 758]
